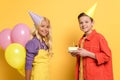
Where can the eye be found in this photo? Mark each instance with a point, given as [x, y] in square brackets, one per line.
[42, 25]
[48, 26]
[86, 21]
[81, 22]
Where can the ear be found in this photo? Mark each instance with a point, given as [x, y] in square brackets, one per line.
[92, 23]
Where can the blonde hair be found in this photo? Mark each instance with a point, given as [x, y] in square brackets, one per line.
[47, 39]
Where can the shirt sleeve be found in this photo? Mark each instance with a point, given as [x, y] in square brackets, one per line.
[31, 51]
[105, 52]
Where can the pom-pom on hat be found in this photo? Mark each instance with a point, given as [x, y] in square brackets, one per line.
[90, 12]
[36, 18]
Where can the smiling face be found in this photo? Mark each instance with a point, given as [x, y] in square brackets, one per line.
[43, 29]
[86, 23]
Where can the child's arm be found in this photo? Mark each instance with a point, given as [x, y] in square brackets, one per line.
[28, 74]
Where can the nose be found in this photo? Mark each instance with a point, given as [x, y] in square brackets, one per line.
[46, 29]
[83, 24]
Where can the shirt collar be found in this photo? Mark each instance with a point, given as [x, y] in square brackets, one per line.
[91, 35]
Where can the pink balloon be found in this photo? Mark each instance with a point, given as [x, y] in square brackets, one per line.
[5, 38]
[20, 34]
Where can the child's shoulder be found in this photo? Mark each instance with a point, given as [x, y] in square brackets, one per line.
[32, 45]
[33, 41]
[100, 35]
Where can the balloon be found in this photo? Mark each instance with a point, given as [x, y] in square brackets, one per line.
[20, 34]
[5, 38]
[15, 55]
[21, 71]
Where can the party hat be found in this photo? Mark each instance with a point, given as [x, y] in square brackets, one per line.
[36, 18]
[91, 11]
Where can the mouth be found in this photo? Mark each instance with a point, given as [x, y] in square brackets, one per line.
[45, 33]
[84, 27]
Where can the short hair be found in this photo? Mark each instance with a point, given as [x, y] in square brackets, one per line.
[84, 14]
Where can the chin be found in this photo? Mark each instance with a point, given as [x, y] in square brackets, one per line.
[85, 31]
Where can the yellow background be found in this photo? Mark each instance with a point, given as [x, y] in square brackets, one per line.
[63, 17]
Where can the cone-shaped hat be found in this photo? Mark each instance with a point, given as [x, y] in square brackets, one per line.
[91, 11]
[36, 18]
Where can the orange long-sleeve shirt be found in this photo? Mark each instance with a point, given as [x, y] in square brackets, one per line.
[101, 67]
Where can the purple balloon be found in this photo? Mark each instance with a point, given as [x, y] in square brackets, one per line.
[5, 38]
[20, 34]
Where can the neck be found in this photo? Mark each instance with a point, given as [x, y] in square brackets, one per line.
[87, 33]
